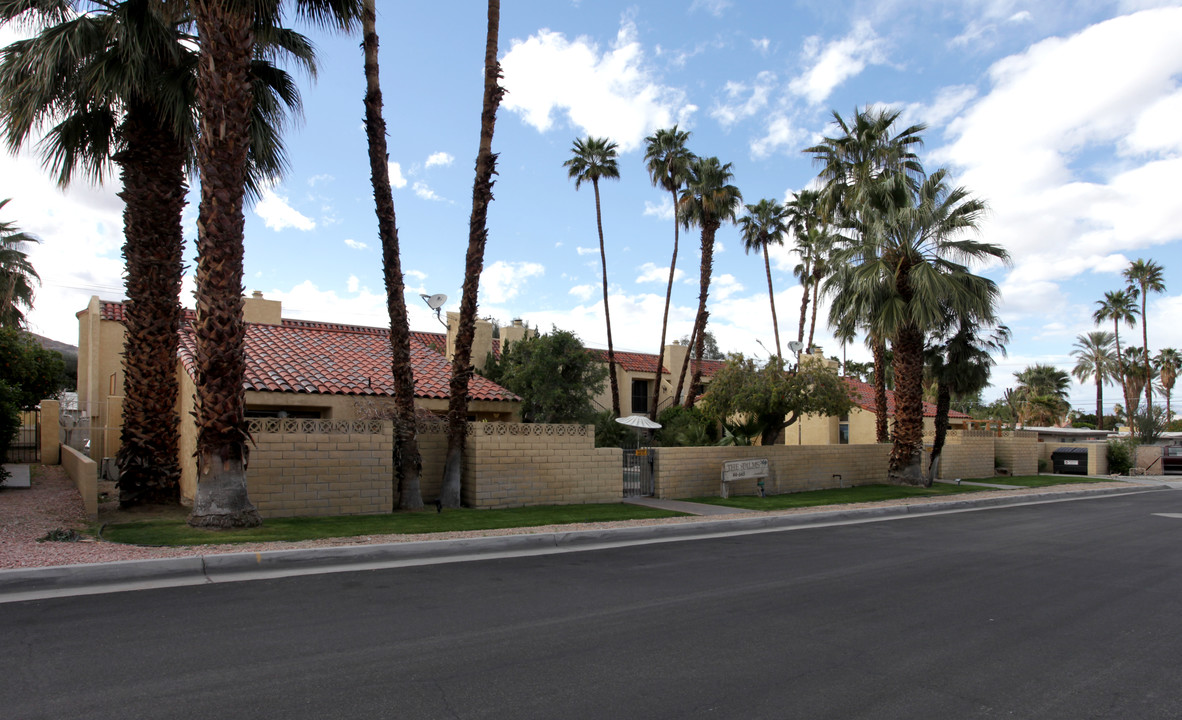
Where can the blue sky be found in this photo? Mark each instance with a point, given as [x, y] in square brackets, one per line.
[1062, 115]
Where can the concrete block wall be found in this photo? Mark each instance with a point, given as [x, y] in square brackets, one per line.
[321, 467]
[84, 472]
[696, 471]
[1148, 459]
[1019, 454]
[516, 464]
[971, 456]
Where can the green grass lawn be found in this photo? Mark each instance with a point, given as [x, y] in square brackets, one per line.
[174, 532]
[838, 496]
[1033, 481]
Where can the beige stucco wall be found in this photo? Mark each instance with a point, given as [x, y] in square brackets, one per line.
[674, 357]
[50, 432]
[1097, 455]
[696, 471]
[84, 472]
[967, 456]
[1018, 454]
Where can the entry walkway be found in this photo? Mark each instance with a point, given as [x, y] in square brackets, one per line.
[691, 508]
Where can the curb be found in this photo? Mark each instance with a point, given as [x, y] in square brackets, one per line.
[63, 580]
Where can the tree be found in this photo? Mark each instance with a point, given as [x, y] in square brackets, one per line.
[961, 364]
[594, 159]
[764, 225]
[707, 350]
[482, 196]
[707, 201]
[28, 374]
[1144, 277]
[1095, 360]
[225, 101]
[802, 215]
[17, 275]
[1041, 395]
[554, 375]
[1168, 362]
[408, 463]
[771, 399]
[667, 160]
[1118, 306]
[117, 84]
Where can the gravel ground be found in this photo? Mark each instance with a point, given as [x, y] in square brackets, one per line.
[53, 503]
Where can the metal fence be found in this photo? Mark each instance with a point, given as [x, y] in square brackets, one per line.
[26, 446]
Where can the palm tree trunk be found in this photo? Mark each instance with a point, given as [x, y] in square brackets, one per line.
[153, 173]
[767, 266]
[813, 322]
[693, 339]
[907, 454]
[881, 432]
[804, 302]
[943, 405]
[1099, 399]
[408, 462]
[709, 227]
[224, 96]
[461, 366]
[1120, 372]
[1145, 344]
[653, 411]
[607, 314]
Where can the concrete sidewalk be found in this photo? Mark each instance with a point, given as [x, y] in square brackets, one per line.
[691, 508]
[68, 580]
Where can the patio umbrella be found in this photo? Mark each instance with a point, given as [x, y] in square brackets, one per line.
[639, 422]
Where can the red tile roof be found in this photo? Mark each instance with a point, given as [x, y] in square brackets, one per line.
[330, 358]
[647, 362]
[862, 394]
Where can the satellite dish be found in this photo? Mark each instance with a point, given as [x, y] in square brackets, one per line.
[795, 345]
[435, 301]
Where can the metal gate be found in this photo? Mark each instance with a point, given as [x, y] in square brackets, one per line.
[638, 472]
[26, 446]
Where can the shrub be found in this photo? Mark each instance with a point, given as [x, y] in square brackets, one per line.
[609, 433]
[1121, 455]
[1149, 425]
[681, 427]
[1042, 465]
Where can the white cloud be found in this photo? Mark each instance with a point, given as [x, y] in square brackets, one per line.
[714, 7]
[613, 93]
[1099, 92]
[663, 210]
[723, 286]
[780, 133]
[836, 62]
[356, 245]
[948, 103]
[353, 284]
[317, 179]
[650, 272]
[502, 281]
[396, 178]
[440, 158]
[584, 292]
[277, 214]
[587, 251]
[425, 192]
[743, 101]
[761, 45]
[418, 275]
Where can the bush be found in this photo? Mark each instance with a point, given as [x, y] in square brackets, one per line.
[1121, 455]
[1042, 465]
[609, 433]
[681, 427]
[10, 423]
[1149, 425]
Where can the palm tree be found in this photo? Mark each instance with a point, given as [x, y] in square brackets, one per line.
[118, 84]
[17, 275]
[482, 185]
[911, 265]
[1145, 276]
[1136, 379]
[707, 201]
[802, 215]
[863, 152]
[1168, 362]
[764, 225]
[1095, 360]
[225, 101]
[1042, 393]
[1118, 306]
[408, 463]
[667, 160]
[594, 159]
[960, 365]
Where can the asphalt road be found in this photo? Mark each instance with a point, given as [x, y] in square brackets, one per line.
[1066, 610]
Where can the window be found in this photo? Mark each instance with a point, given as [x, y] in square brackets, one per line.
[640, 396]
[843, 433]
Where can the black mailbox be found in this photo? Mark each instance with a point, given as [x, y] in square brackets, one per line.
[1070, 461]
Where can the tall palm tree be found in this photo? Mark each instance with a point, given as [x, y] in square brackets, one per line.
[764, 225]
[1144, 277]
[1168, 362]
[594, 159]
[707, 201]
[912, 265]
[861, 153]
[17, 275]
[116, 83]
[1136, 379]
[1095, 360]
[408, 463]
[667, 160]
[1042, 393]
[225, 100]
[1118, 306]
[482, 186]
[802, 215]
[960, 365]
